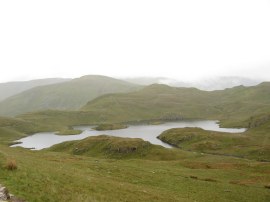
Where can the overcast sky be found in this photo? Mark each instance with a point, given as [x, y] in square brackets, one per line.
[186, 39]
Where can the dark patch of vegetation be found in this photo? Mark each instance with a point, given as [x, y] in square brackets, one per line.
[203, 179]
[256, 121]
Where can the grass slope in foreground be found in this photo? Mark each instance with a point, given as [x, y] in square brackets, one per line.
[58, 176]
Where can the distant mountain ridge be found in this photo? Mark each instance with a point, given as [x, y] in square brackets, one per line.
[69, 95]
[153, 101]
[12, 88]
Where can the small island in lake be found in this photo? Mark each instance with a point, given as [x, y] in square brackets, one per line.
[114, 126]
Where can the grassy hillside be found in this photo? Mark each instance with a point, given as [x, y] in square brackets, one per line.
[12, 129]
[164, 102]
[244, 145]
[233, 107]
[12, 88]
[57, 176]
[156, 101]
[65, 96]
[114, 126]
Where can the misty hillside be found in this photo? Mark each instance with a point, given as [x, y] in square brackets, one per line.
[13, 88]
[209, 84]
[68, 95]
[220, 83]
[157, 80]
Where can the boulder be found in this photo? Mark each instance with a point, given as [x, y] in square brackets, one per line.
[4, 194]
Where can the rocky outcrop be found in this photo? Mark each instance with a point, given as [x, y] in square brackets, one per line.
[5, 196]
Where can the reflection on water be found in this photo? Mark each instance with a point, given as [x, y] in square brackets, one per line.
[145, 132]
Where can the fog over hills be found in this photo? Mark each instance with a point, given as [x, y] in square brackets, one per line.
[9, 89]
[209, 84]
[221, 83]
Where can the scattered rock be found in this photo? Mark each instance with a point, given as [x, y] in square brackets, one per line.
[5, 196]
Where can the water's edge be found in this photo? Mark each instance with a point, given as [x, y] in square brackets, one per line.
[149, 133]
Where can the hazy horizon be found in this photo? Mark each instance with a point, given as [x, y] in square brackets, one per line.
[164, 78]
[208, 84]
[182, 40]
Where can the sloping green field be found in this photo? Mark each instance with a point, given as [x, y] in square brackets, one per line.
[56, 176]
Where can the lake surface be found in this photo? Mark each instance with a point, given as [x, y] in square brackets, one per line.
[146, 132]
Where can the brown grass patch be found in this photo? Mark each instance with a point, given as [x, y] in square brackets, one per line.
[11, 165]
[247, 182]
[202, 179]
[209, 180]
[201, 165]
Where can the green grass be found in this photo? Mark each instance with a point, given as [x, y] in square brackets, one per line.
[110, 169]
[119, 148]
[245, 145]
[57, 176]
[13, 128]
